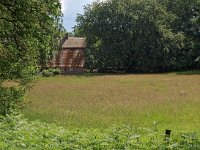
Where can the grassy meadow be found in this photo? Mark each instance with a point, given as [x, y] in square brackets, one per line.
[170, 101]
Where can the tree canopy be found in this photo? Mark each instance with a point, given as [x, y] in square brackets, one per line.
[150, 35]
[29, 33]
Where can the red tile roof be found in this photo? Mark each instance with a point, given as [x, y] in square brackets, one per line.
[75, 42]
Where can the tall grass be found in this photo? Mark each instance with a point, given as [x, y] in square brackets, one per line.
[99, 101]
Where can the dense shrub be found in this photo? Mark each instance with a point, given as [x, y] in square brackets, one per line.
[11, 98]
[51, 72]
[47, 73]
[25, 44]
[56, 71]
[18, 133]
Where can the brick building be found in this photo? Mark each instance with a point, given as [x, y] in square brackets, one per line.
[70, 59]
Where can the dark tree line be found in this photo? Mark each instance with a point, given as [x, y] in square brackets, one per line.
[143, 35]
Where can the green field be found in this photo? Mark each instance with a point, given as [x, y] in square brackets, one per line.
[98, 101]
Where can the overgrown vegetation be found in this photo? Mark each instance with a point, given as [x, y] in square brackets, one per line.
[149, 35]
[18, 133]
[141, 35]
[99, 101]
[29, 33]
[50, 72]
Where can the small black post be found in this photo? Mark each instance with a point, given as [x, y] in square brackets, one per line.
[167, 135]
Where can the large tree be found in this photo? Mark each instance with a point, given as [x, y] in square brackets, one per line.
[188, 22]
[29, 33]
[151, 35]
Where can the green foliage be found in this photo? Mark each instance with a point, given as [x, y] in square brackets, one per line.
[188, 22]
[9, 98]
[56, 71]
[18, 133]
[46, 73]
[51, 72]
[150, 35]
[29, 33]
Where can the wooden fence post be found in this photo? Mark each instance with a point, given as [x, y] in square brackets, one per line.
[167, 135]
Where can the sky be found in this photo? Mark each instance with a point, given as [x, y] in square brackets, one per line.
[70, 9]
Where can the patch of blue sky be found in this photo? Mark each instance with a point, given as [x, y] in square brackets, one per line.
[70, 9]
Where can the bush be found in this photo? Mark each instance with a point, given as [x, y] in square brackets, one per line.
[18, 133]
[56, 71]
[51, 72]
[22, 43]
[10, 98]
[45, 73]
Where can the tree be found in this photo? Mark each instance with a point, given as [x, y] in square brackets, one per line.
[29, 33]
[129, 33]
[188, 22]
